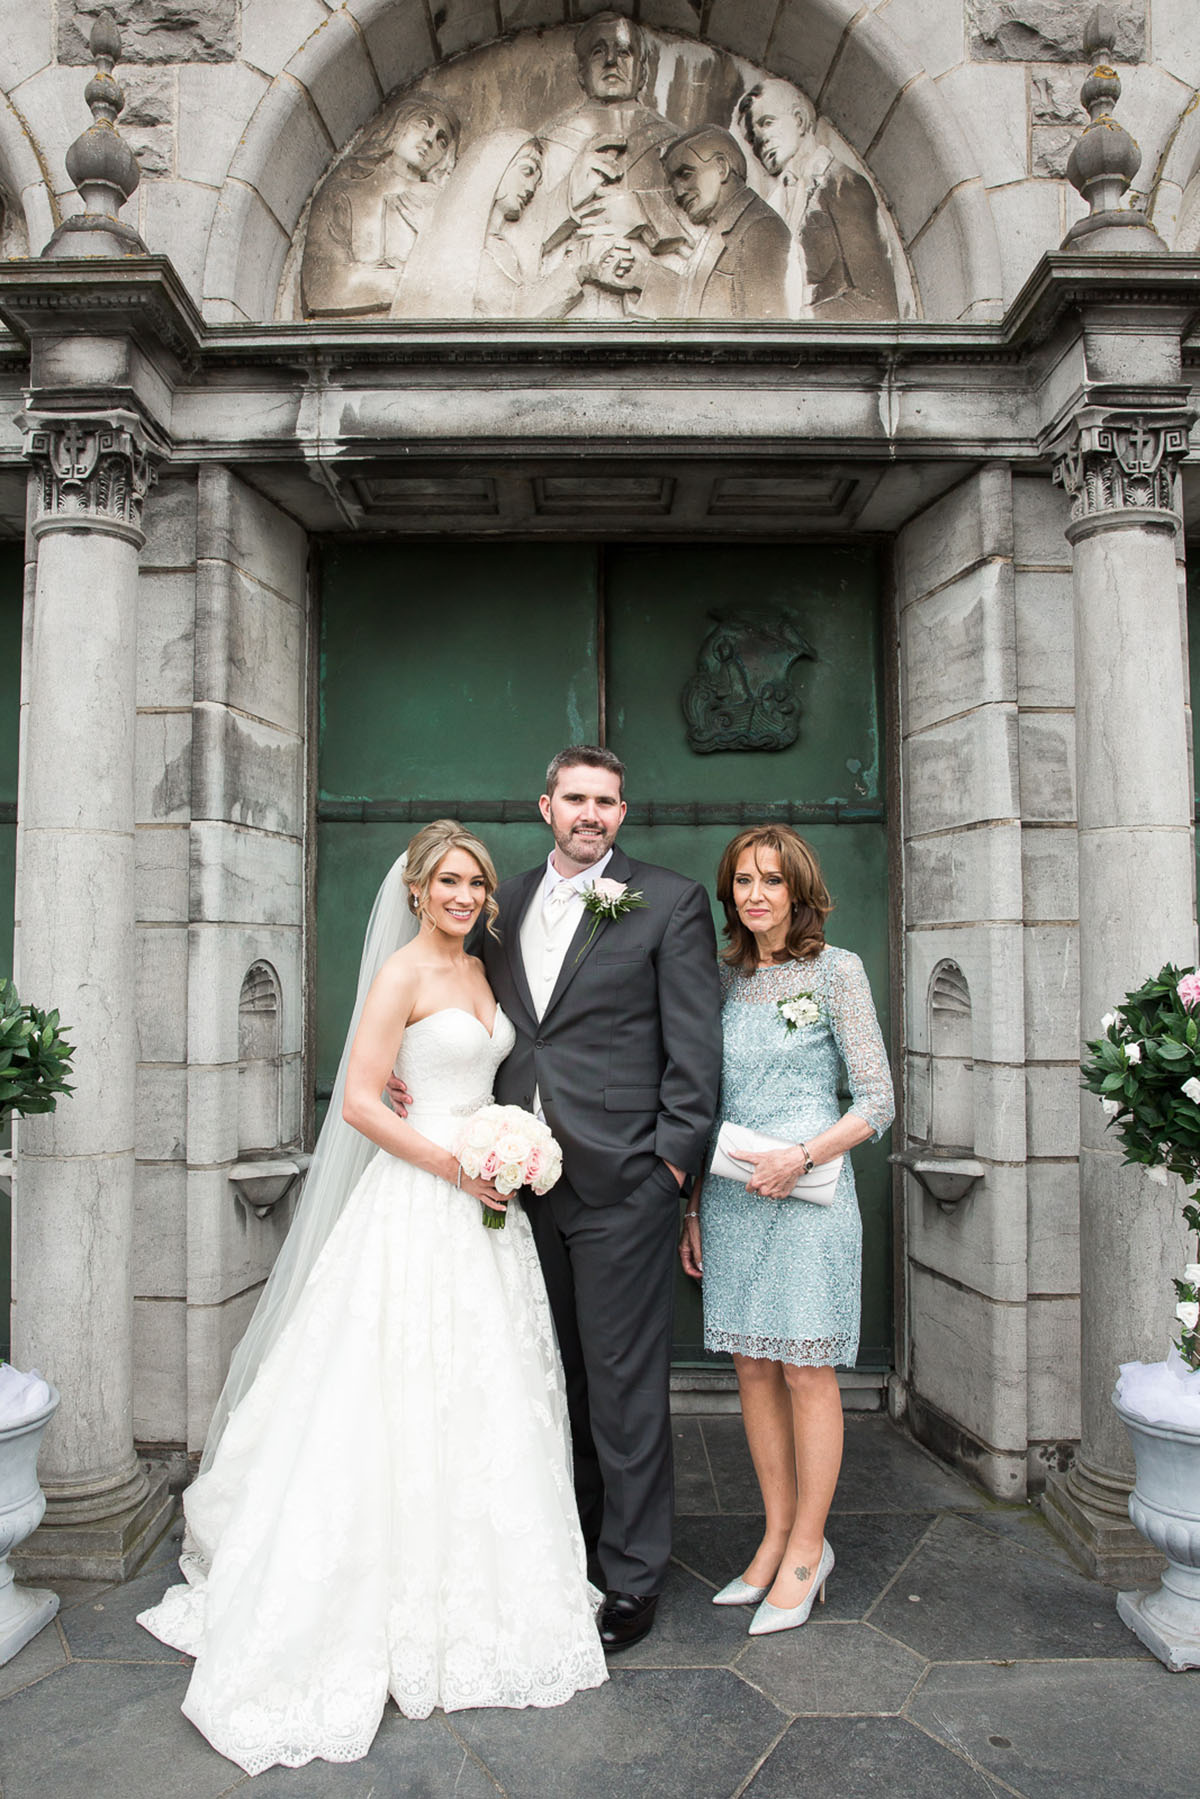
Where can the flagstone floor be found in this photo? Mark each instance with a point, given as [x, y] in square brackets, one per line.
[959, 1656]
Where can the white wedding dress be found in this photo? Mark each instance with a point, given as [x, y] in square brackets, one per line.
[390, 1508]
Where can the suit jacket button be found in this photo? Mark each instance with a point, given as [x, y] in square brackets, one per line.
[539, 1043]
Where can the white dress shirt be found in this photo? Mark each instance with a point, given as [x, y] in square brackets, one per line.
[547, 929]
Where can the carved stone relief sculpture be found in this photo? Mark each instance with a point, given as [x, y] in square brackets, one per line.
[606, 172]
[741, 696]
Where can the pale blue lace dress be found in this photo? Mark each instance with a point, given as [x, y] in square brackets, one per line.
[781, 1277]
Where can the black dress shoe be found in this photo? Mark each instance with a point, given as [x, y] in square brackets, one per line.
[625, 1618]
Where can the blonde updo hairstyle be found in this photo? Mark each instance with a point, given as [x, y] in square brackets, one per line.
[429, 849]
[811, 904]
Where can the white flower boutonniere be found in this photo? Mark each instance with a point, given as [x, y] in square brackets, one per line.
[798, 1009]
[608, 899]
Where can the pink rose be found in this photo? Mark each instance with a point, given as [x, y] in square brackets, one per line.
[491, 1167]
[1189, 989]
[608, 890]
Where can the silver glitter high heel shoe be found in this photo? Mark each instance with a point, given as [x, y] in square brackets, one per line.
[770, 1617]
[739, 1592]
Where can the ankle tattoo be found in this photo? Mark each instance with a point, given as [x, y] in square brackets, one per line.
[802, 1573]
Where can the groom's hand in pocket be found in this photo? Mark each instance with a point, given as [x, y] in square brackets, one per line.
[398, 1096]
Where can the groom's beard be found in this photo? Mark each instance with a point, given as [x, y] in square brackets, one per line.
[585, 846]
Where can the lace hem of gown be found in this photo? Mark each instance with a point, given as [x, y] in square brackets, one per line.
[824, 1352]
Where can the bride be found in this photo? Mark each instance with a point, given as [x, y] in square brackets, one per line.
[385, 1501]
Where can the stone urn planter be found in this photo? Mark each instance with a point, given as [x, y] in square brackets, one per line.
[23, 1610]
[1165, 1507]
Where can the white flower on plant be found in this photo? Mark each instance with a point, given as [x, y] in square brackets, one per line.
[1133, 1052]
[1158, 1176]
[1108, 1021]
[1192, 1090]
[1188, 1313]
[1112, 1108]
[1191, 1274]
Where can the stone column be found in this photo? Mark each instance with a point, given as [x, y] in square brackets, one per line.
[1136, 889]
[72, 1314]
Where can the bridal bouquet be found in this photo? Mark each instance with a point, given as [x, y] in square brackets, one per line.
[511, 1148]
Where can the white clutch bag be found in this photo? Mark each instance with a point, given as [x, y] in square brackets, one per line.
[734, 1140]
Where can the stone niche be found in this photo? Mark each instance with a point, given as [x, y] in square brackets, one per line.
[603, 172]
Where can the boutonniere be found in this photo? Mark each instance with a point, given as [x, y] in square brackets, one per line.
[608, 899]
[798, 1009]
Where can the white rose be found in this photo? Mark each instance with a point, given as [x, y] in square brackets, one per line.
[1108, 1021]
[1111, 1108]
[1192, 1090]
[1158, 1176]
[1133, 1052]
[1191, 1274]
[510, 1177]
[1188, 1313]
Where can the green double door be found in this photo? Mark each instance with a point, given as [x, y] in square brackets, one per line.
[736, 682]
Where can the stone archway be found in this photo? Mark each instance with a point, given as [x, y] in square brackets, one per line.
[1174, 205]
[861, 78]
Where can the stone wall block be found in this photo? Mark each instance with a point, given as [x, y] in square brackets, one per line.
[161, 862]
[245, 877]
[212, 1123]
[935, 35]
[175, 217]
[963, 772]
[743, 26]
[273, 30]
[1050, 873]
[286, 115]
[1052, 1109]
[220, 957]
[165, 644]
[161, 1112]
[148, 118]
[969, 525]
[960, 877]
[155, 30]
[958, 647]
[461, 24]
[215, 106]
[1051, 147]
[162, 952]
[1047, 30]
[981, 1243]
[246, 252]
[399, 41]
[334, 66]
[1176, 40]
[998, 1091]
[956, 261]
[1045, 625]
[1047, 741]
[241, 527]
[229, 1249]
[26, 42]
[248, 773]
[1052, 991]
[169, 521]
[527, 15]
[1053, 1326]
[915, 182]
[991, 104]
[992, 959]
[160, 1357]
[163, 783]
[869, 72]
[805, 42]
[1053, 1227]
[213, 1333]
[986, 1391]
[250, 647]
[159, 1259]
[1054, 95]
[916, 1096]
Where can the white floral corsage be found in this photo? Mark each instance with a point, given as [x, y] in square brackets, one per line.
[608, 899]
[798, 1009]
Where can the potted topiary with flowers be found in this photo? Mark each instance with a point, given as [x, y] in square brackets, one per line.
[1145, 1070]
[35, 1059]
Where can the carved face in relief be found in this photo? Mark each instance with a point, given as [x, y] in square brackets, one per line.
[520, 181]
[423, 140]
[697, 181]
[612, 58]
[776, 122]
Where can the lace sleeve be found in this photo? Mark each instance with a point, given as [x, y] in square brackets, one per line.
[860, 1041]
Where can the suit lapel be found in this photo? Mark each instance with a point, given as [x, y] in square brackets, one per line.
[715, 245]
[585, 940]
[523, 890]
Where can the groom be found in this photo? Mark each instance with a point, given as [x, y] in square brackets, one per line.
[619, 1047]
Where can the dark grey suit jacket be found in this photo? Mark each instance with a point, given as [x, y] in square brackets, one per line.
[627, 1055]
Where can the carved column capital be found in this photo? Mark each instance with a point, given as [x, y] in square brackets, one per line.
[1120, 468]
[93, 471]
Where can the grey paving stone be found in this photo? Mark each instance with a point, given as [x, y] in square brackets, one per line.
[42, 1656]
[869, 1549]
[969, 1595]
[694, 1490]
[99, 1731]
[864, 1758]
[1072, 1730]
[689, 1630]
[733, 1475]
[830, 1667]
[1023, 1524]
[884, 1471]
[106, 1629]
[422, 1760]
[696, 1734]
[77, 1592]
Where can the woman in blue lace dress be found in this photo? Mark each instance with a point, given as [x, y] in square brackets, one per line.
[781, 1275]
